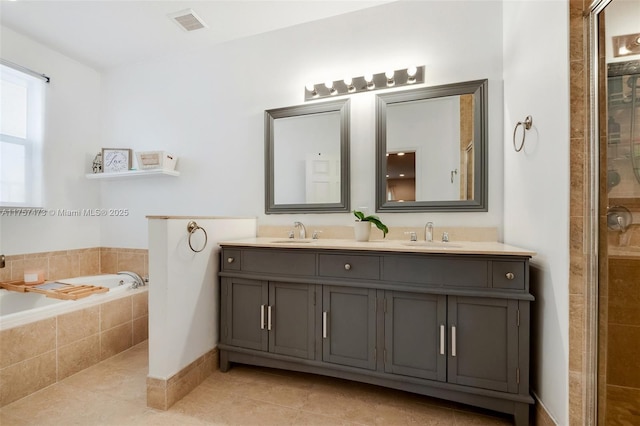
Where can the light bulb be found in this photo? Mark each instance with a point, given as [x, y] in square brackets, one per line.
[310, 87]
[369, 79]
[348, 81]
[390, 80]
[329, 85]
[411, 74]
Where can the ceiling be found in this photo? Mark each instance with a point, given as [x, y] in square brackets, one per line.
[106, 34]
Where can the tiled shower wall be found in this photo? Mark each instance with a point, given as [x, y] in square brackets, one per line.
[618, 400]
[41, 353]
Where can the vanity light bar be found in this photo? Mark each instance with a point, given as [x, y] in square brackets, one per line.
[365, 83]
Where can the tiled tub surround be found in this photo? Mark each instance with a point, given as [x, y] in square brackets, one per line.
[76, 263]
[40, 353]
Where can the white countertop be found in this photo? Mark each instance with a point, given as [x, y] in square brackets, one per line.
[453, 247]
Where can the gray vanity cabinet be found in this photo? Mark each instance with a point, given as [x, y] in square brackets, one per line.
[483, 348]
[269, 316]
[453, 326]
[349, 326]
[415, 335]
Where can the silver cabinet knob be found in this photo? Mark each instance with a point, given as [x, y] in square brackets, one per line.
[230, 260]
[510, 275]
[347, 266]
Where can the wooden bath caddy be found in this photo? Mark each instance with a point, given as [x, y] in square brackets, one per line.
[55, 289]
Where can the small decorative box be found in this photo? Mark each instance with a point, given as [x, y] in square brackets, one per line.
[156, 160]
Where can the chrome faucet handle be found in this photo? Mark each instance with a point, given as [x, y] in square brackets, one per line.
[315, 235]
[303, 230]
[445, 237]
[428, 232]
[291, 234]
[412, 236]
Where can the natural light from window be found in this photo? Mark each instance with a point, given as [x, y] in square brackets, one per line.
[21, 134]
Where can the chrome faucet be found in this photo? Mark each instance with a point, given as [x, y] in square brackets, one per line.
[428, 232]
[303, 230]
[138, 281]
[445, 237]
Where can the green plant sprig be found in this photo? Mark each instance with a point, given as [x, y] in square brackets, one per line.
[373, 219]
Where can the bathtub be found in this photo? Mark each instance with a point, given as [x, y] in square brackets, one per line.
[44, 340]
[22, 308]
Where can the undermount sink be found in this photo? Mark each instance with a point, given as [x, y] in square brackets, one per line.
[291, 241]
[434, 244]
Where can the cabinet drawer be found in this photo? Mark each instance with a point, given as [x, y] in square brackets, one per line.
[437, 272]
[283, 262]
[508, 275]
[345, 266]
[231, 260]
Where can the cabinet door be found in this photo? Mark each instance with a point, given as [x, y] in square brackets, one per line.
[243, 322]
[415, 335]
[291, 321]
[483, 349]
[349, 326]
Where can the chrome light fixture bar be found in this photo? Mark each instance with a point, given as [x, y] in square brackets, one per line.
[365, 83]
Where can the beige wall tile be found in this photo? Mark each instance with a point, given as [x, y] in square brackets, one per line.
[623, 366]
[5, 273]
[157, 397]
[17, 269]
[115, 312]
[89, 263]
[140, 329]
[140, 304]
[131, 261]
[624, 291]
[78, 355]
[27, 341]
[115, 340]
[63, 266]
[26, 377]
[622, 406]
[576, 332]
[78, 325]
[182, 387]
[37, 263]
[576, 414]
[108, 262]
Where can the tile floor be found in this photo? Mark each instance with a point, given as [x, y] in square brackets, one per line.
[113, 392]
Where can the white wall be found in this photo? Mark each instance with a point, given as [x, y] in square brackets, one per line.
[536, 184]
[207, 108]
[184, 292]
[72, 138]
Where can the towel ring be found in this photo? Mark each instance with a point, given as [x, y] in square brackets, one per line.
[192, 227]
[526, 125]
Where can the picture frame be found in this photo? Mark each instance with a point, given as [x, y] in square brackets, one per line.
[116, 160]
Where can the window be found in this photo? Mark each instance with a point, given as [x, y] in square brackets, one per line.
[21, 136]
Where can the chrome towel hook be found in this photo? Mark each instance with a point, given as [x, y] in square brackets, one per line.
[192, 227]
[526, 125]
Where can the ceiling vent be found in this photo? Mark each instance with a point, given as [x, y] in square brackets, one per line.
[188, 20]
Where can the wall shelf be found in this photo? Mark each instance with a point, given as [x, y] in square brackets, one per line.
[132, 174]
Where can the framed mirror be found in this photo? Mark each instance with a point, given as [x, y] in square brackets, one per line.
[307, 158]
[431, 149]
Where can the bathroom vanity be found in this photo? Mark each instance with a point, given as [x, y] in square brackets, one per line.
[442, 319]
